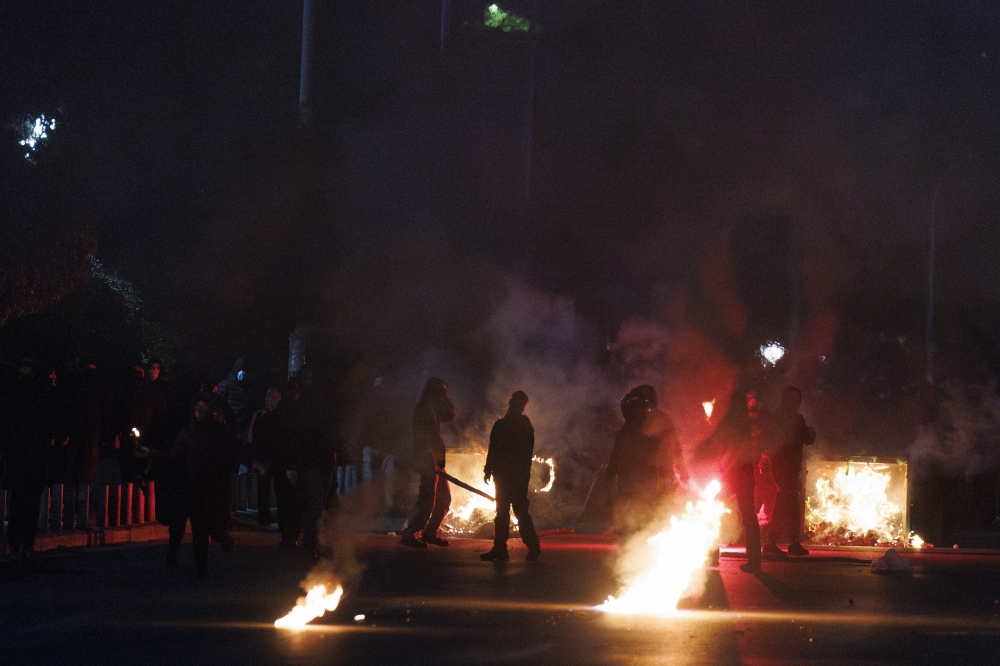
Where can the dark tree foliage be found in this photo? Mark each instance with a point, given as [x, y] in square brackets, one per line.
[38, 270]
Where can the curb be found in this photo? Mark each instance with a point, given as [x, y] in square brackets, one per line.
[101, 537]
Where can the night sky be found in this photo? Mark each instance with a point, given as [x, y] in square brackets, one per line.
[671, 144]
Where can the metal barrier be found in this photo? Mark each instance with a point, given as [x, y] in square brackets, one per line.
[115, 506]
[347, 478]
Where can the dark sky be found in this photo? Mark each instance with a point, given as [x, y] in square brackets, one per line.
[401, 213]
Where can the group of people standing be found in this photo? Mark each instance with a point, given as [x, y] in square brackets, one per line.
[294, 446]
[72, 428]
[57, 421]
[747, 438]
[645, 468]
[508, 464]
[60, 429]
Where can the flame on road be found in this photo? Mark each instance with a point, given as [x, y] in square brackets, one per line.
[317, 601]
[679, 556]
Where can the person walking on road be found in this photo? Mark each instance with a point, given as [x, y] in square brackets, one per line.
[508, 463]
[200, 463]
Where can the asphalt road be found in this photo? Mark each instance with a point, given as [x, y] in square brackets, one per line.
[121, 605]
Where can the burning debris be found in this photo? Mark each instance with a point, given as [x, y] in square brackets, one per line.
[470, 511]
[678, 555]
[552, 472]
[318, 600]
[857, 503]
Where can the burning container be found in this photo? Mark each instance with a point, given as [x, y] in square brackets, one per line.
[857, 501]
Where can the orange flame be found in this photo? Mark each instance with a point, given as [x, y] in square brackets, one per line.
[316, 602]
[679, 554]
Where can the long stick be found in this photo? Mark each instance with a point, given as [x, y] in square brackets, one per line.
[463, 484]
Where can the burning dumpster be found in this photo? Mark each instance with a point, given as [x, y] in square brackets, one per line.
[857, 501]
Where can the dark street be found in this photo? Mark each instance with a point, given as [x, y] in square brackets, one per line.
[395, 270]
[119, 604]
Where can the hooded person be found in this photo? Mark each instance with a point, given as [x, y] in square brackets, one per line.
[427, 456]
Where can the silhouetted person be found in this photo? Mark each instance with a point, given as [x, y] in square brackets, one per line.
[263, 436]
[200, 463]
[734, 445]
[786, 467]
[150, 418]
[646, 461]
[316, 435]
[91, 423]
[55, 421]
[231, 391]
[508, 463]
[285, 453]
[427, 456]
[31, 437]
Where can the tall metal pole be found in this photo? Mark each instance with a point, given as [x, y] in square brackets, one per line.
[529, 126]
[445, 22]
[305, 67]
[929, 331]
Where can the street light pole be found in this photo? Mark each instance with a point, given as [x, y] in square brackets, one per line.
[305, 66]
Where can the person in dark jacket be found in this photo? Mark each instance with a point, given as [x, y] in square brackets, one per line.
[736, 445]
[264, 435]
[200, 463]
[427, 456]
[31, 437]
[786, 466]
[646, 462]
[91, 423]
[508, 463]
[150, 418]
[316, 436]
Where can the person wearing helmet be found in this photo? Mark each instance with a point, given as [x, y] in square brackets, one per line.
[646, 462]
[434, 495]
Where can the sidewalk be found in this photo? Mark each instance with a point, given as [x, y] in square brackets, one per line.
[95, 537]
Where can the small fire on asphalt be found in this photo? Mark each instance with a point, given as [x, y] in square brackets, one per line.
[317, 601]
[679, 554]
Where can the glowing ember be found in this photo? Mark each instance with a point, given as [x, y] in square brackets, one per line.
[316, 602]
[857, 503]
[679, 554]
[709, 407]
[552, 472]
[916, 541]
